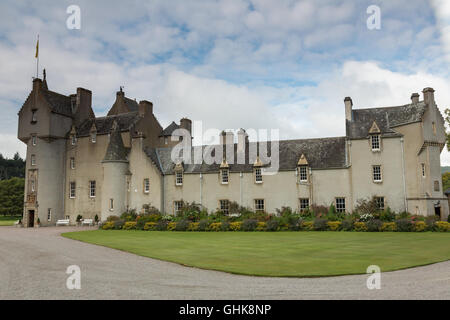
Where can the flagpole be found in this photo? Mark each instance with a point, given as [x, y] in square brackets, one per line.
[37, 64]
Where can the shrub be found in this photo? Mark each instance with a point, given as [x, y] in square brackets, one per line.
[161, 225]
[389, 226]
[149, 209]
[249, 225]
[367, 206]
[129, 215]
[430, 220]
[108, 225]
[374, 225]
[261, 226]
[334, 225]
[225, 226]
[203, 225]
[142, 220]
[366, 217]
[129, 225]
[442, 226]
[387, 215]
[272, 225]
[404, 225]
[112, 218]
[448, 218]
[235, 226]
[168, 217]
[320, 224]
[118, 224]
[193, 226]
[360, 226]
[307, 225]
[215, 226]
[317, 210]
[420, 226]
[150, 226]
[347, 225]
[403, 215]
[181, 225]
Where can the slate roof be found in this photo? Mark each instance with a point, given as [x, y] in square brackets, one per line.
[386, 119]
[59, 103]
[170, 128]
[116, 150]
[321, 153]
[104, 124]
[131, 104]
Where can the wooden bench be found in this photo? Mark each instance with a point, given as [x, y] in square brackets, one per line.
[63, 222]
[88, 222]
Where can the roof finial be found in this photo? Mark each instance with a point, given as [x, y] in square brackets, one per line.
[45, 74]
[121, 88]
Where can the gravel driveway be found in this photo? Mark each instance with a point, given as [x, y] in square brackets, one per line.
[34, 261]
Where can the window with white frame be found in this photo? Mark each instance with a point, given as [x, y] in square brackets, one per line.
[146, 185]
[258, 175]
[423, 170]
[72, 163]
[33, 140]
[72, 189]
[376, 171]
[179, 178]
[49, 214]
[375, 141]
[303, 173]
[224, 206]
[92, 186]
[380, 203]
[177, 206]
[33, 160]
[224, 176]
[340, 204]
[259, 205]
[304, 204]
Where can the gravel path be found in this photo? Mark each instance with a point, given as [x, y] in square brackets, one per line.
[34, 261]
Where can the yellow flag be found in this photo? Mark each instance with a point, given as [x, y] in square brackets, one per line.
[37, 49]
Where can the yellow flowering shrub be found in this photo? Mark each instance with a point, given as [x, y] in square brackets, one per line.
[150, 226]
[442, 226]
[171, 226]
[215, 226]
[308, 225]
[108, 225]
[334, 225]
[360, 226]
[193, 226]
[389, 226]
[420, 226]
[261, 226]
[130, 225]
[235, 226]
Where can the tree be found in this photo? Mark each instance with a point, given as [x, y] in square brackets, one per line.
[446, 180]
[11, 196]
[447, 134]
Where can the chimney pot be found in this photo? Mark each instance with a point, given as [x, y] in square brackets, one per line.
[348, 108]
[415, 98]
[428, 95]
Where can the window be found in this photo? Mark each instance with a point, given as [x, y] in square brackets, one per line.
[377, 174]
[380, 203]
[111, 204]
[33, 160]
[128, 185]
[33, 116]
[224, 174]
[177, 205]
[49, 214]
[33, 186]
[434, 128]
[258, 175]
[72, 163]
[303, 173]
[73, 139]
[304, 204]
[225, 206]
[340, 204]
[259, 205]
[33, 140]
[179, 178]
[436, 185]
[423, 170]
[92, 189]
[146, 185]
[375, 139]
[93, 137]
[166, 140]
[72, 190]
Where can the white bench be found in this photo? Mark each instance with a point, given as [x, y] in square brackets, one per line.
[64, 222]
[87, 221]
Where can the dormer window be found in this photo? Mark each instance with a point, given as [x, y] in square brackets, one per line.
[303, 173]
[224, 176]
[258, 175]
[375, 142]
[179, 178]
[33, 140]
[93, 137]
[73, 139]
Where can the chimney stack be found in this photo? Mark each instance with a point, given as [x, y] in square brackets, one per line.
[226, 137]
[428, 96]
[242, 140]
[415, 98]
[144, 107]
[348, 108]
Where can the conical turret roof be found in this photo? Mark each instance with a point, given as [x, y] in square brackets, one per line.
[116, 150]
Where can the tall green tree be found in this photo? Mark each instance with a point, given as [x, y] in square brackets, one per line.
[11, 196]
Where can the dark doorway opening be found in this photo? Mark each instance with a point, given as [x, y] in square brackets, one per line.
[31, 218]
[437, 212]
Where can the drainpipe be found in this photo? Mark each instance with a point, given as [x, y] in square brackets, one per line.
[403, 173]
[240, 187]
[201, 193]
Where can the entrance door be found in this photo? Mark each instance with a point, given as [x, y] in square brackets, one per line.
[437, 212]
[31, 218]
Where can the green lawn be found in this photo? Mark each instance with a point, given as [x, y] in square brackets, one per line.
[8, 220]
[299, 254]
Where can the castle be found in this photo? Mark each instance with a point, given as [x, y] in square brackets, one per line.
[80, 164]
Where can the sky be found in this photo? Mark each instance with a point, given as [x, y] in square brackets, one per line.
[232, 64]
